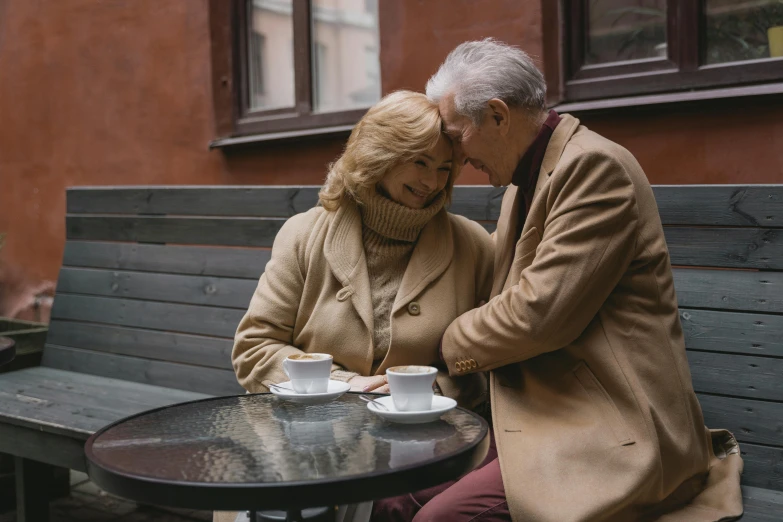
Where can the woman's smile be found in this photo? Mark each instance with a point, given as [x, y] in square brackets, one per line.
[418, 193]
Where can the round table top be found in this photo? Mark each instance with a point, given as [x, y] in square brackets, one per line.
[7, 350]
[260, 452]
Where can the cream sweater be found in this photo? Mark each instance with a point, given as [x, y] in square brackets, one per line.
[389, 235]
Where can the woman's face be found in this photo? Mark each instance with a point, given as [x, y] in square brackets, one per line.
[417, 183]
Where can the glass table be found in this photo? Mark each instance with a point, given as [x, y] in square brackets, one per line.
[254, 452]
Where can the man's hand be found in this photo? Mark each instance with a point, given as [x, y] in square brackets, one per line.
[375, 384]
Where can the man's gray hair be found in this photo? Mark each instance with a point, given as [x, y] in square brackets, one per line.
[479, 71]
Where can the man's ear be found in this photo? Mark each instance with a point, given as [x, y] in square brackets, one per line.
[500, 114]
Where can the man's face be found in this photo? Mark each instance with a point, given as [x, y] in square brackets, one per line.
[484, 146]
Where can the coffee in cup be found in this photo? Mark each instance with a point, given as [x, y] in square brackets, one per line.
[309, 372]
[308, 356]
[411, 387]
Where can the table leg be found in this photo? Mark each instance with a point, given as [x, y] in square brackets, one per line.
[322, 514]
[33, 482]
[293, 515]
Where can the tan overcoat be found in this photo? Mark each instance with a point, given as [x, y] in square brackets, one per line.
[314, 296]
[594, 412]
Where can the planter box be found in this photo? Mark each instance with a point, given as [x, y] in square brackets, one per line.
[29, 337]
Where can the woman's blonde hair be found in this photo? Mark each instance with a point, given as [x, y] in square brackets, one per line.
[396, 130]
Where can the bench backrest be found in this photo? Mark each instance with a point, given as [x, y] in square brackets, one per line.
[726, 247]
[155, 280]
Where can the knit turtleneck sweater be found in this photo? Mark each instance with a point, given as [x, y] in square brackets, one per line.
[389, 233]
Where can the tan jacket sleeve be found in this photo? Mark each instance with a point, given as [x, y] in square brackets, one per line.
[588, 243]
[264, 337]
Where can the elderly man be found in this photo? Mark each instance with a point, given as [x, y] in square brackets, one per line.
[594, 413]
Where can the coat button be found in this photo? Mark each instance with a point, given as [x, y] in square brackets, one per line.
[473, 364]
[414, 308]
[459, 366]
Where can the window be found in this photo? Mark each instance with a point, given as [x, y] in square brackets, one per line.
[300, 65]
[256, 56]
[614, 48]
[320, 76]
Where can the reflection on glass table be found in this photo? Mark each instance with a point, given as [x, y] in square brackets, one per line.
[260, 452]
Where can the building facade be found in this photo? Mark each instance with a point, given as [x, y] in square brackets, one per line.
[134, 92]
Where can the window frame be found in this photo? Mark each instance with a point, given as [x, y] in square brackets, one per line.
[682, 70]
[234, 118]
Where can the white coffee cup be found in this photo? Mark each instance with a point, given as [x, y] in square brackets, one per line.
[411, 387]
[309, 372]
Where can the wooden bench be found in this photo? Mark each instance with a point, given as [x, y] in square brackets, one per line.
[155, 280]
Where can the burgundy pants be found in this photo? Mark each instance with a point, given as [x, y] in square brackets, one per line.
[478, 496]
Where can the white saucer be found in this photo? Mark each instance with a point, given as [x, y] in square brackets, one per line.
[333, 391]
[440, 405]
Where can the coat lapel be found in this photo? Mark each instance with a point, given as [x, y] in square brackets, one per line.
[344, 251]
[430, 258]
[509, 211]
[565, 129]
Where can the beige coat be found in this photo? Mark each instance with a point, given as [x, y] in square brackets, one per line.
[594, 411]
[314, 296]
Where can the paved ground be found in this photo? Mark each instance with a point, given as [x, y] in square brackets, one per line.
[89, 504]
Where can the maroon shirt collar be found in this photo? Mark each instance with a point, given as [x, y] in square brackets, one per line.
[526, 173]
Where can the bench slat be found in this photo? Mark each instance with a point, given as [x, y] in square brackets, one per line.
[479, 202]
[205, 320]
[258, 232]
[763, 466]
[159, 373]
[755, 334]
[65, 409]
[749, 420]
[276, 201]
[747, 248]
[214, 352]
[721, 205]
[195, 260]
[738, 375]
[726, 247]
[729, 289]
[146, 396]
[761, 505]
[22, 409]
[712, 205]
[77, 404]
[198, 290]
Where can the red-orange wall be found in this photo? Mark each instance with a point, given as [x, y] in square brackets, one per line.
[111, 93]
[98, 92]
[724, 143]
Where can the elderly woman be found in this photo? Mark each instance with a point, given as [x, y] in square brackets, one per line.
[376, 272]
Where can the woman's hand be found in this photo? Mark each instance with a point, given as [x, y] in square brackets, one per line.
[375, 384]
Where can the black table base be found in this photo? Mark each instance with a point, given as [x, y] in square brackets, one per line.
[7, 350]
[321, 514]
